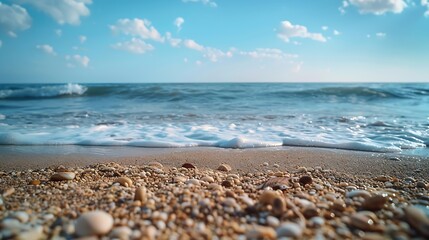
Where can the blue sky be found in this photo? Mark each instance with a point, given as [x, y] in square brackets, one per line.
[45, 41]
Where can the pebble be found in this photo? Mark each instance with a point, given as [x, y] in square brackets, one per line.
[358, 193]
[279, 206]
[227, 183]
[224, 167]
[188, 165]
[338, 205]
[93, 223]
[382, 178]
[122, 232]
[207, 179]
[156, 165]
[361, 221]
[417, 219]
[276, 182]
[310, 212]
[21, 216]
[317, 221]
[9, 192]
[374, 203]
[179, 179]
[259, 232]
[267, 197]
[124, 181]
[273, 221]
[265, 164]
[193, 181]
[63, 176]
[304, 180]
[289, 229]
[421, 185]
[141, 195]
[34, 182]
[302, 169]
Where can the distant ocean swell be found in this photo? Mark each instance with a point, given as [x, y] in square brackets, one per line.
[365, 117]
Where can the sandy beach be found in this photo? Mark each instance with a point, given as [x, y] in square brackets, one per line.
[210, 193]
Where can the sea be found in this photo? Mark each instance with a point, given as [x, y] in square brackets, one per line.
[374, 117]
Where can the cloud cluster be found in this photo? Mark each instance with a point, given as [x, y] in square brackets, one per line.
[82, 39]
[377, 7]
[205, 2]
[48, 49]
[178, 23]
[77, 59]
[425, 3]
[272, 53]
[212, 54]
[288, 30]
[13, 18]
[63, 11]
[135, 45]
[137, 28]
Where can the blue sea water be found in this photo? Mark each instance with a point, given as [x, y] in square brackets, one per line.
[367, 117]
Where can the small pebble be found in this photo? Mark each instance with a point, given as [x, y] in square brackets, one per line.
[34, 182]
[289, 229]
[224, 167]
[304, 180]
[141, 195]
[93, 223]
[421, 185]
[374, 203]
[63, 176]
[124, 181]
[188, 165]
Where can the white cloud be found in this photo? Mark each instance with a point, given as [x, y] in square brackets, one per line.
[59, 32]
[336, 32]
[136, 46]
[12, 34]
[174, 42]
[137, 27]
[178, 23]
[198, 62]
[380, 35]
[288, 30]
[272, 53]
[214, 54]
[77, 60]
[343, 7]
[63, 11]
[324, 28]
[205, 2]
[82, 39]
[379, 7]
[13, 18]
[425, 3]
[191, 44]
[47, 49]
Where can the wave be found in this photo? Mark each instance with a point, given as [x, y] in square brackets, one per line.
[46, 91]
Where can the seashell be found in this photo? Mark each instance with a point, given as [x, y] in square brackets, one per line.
[224, 167]
[276, 182]
[124, 181]
[63, 176]
[188, 165]
[267, 197]
[417, 219]
[141, 194]
[304, 180]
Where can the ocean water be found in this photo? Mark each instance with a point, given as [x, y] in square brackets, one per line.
[366, 117]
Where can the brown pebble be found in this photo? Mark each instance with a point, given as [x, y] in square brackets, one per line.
[362, 222]
[188, 165]
[421, 185]
[417, 219]
[267, 197]
[338, 205]
[227, 183]
[304, 180]
[279, 206]
[156, 165]
[276, 182]
[34, 182]
[224, 167]
[8, 192]
[230, 194]
[141, 195]
[124, 181]
[259, 232]
[310, 212]
[374, 203]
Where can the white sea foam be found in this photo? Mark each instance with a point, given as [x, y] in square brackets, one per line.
[43, 91]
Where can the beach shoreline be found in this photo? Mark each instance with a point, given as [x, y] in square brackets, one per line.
[246, 160]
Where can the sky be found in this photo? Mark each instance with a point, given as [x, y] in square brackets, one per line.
[98, 41]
